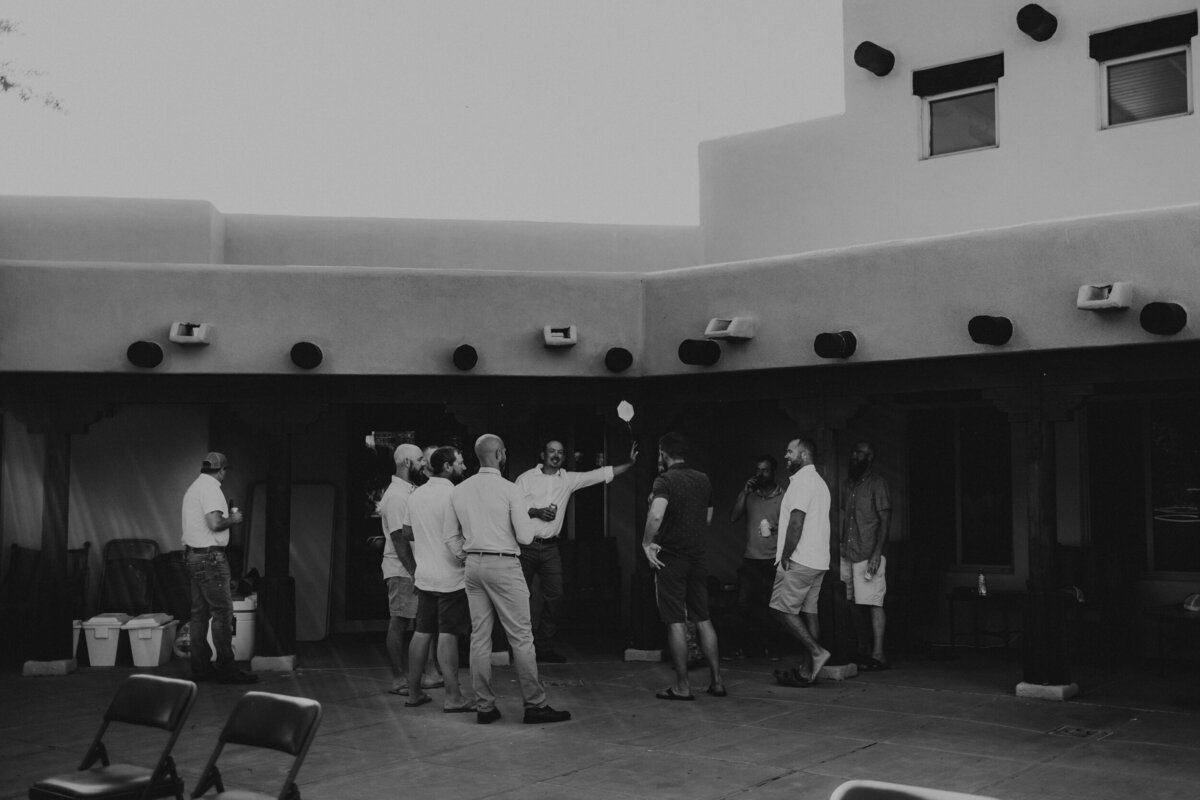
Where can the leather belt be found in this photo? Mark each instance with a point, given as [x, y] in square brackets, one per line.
[216, 548]
[490, 553]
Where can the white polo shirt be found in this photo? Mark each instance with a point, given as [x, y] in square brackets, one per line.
[392, 507]
[541, 490]
[202, 498]
[806, 492]
[433, 523]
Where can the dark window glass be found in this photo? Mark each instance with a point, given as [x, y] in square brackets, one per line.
[986, 494]
[963, 122]
[1175, 484]
[960, 485]
[932, 514]
[1148, 88]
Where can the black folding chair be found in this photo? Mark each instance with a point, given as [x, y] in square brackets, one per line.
[881, 790]
[147, 700]
[274, 721]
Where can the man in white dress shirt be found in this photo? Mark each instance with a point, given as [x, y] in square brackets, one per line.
[547, 489]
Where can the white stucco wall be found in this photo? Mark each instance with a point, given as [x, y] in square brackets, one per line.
[452, 244]
[110, 229]
[82, 317]
[914, 299]
[100, 229]
[858, 178]
[902, 301]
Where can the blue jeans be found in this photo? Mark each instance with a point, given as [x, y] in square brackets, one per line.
[541, 557]
[211, 597]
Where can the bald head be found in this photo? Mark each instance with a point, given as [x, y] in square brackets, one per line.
[408, 460]
[489, 449]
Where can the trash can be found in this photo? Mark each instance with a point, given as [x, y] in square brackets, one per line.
[244, 612]
[103, 632]
[151, 638]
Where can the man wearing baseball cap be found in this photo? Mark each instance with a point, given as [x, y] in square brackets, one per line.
[206, 524]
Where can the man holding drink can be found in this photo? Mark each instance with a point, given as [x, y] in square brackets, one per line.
[547, 487]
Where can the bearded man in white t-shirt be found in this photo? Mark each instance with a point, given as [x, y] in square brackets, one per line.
[802, 559]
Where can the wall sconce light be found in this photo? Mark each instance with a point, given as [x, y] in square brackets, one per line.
[730, 328]
[835, 345]
[699, 352]
[990, 330]
[618, 359]
[465, 357]
[307, 355]
[190, 333]
[1036, 22]
[1104, 296]
[144, 354]
[874, 59]
[560, 336]
[1163, 319]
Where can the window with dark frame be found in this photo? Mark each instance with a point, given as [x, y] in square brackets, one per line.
[1145, 70]
[959, 105]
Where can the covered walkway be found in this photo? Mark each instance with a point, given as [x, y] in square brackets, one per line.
[934, 721]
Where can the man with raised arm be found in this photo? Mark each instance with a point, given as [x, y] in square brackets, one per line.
[548, 488]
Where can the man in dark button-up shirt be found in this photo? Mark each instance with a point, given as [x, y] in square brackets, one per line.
[866, 515]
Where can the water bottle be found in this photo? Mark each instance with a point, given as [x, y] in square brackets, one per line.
[981, 585]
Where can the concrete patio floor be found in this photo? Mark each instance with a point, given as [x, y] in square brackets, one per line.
[950, 723]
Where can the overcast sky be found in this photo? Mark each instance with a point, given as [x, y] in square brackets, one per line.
[553, 110]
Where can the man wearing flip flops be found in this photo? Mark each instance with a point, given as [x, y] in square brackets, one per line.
[802, 559]
[866, 515]
[676, 545]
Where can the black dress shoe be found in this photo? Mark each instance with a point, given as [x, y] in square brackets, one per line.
[551, 657]
[236, 677]
[487, 717]
[539, 716]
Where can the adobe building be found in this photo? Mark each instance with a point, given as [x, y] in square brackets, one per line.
[988, 266]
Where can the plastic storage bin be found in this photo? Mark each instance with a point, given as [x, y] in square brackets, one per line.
[103, 632]
[244, 612]
[151, 638]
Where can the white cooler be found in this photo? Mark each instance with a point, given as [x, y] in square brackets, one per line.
[151, 638]
[103, 632]
[244, 612]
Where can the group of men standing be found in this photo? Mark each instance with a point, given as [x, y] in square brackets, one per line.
[465, 552]
[461, 554]
[785, 560]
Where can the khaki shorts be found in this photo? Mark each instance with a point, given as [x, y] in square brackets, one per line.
[861, 591]
[797, 588]
[402, 597]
